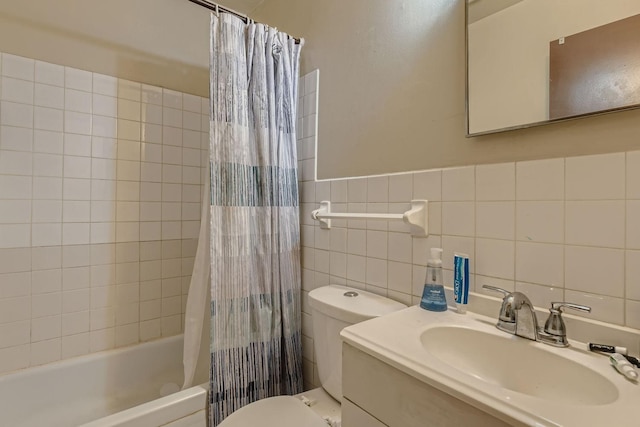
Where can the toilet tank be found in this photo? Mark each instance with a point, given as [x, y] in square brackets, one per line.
[333, 308]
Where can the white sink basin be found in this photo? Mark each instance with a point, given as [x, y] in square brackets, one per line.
[519, 365]
[521, 382]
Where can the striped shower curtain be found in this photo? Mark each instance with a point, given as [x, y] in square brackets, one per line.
[256, 349]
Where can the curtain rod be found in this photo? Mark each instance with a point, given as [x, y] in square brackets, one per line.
[218, 8]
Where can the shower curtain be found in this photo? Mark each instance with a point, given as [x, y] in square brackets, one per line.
[256, 349]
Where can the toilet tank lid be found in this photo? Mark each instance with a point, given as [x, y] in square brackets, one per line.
[339, 302]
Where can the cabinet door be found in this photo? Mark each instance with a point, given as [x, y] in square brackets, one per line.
[353, 416]
[400, 400]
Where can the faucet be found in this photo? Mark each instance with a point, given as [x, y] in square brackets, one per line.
[518, 317]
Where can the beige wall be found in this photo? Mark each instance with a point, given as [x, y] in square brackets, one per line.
[392, 94]
[159, 42]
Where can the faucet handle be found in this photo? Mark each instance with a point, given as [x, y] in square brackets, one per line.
[558, 306]
[504, 292]
[507, 316]
[555, 326]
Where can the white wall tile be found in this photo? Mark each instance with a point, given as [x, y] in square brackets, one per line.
[540, 295]
[633, 175]
[171, 98]
[540, 180]
[16, 187]
[45, 352]
[128, 129]
[49, 119]
[595, 223]
[495, 258]
[45, 258]
[78, 79]
[104, 148]
[15, 235]
[76, 234]
[77, 167]
[46, 234]
[129, 110]
[192, 103]
[76, 211]
[399, 277]
[338, 239]
[540, 263]
[50, 165]
[376, 272]
[105, 85]
[15, 284]
[46, 211]
[16, 90]
[15, 138]
[632, 267]
[400, 247]
[595, 177]
[104, 105]
[129, 90]
[18, 67]
[14, 309]
[633, 224]
[603, 308]
[495, 220]
[356, 268]
[50, 74]
[15, 211]
[632, 314]
[458, 218]
[458, 184]
[74, 345]
[45, 328]
[75, 122]
[77, 145]
[594, 270]
[427, 185]
[376, 244]
[378, 189]
[357, 242]
[77, 100]
[401, 187]
[104, 126]
[14, 114]
[49, 96]
[495, 182]
[541, 221]
[76, 189]
[357, 190]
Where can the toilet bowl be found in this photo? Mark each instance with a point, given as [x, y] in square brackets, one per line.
[333, 308]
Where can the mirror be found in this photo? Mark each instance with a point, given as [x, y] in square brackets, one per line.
[532, 62]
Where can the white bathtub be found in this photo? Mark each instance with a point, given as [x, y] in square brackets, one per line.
[113, 388]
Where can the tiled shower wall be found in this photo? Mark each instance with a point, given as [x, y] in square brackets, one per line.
[565, 229]
[100, 192]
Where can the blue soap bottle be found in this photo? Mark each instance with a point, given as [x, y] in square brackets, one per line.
[433, 297]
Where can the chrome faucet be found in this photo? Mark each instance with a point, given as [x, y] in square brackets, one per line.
[518, 317]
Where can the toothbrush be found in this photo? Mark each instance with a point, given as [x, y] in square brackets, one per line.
[604, 348]
[623, 366]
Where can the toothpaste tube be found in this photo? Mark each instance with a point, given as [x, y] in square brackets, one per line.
[461, 281]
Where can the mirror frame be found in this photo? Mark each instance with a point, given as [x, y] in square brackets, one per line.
[468, 134]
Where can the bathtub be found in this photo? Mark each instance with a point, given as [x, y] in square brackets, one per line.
[113, 388]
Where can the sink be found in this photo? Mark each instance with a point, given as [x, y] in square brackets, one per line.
[519, 365]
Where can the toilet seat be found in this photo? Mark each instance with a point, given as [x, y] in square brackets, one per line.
[280, 411]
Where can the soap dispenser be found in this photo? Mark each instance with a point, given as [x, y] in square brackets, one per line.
[433, 297]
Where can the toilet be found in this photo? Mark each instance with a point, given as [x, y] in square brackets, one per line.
[333, 308]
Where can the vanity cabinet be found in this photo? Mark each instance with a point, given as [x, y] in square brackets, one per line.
[377, 395]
